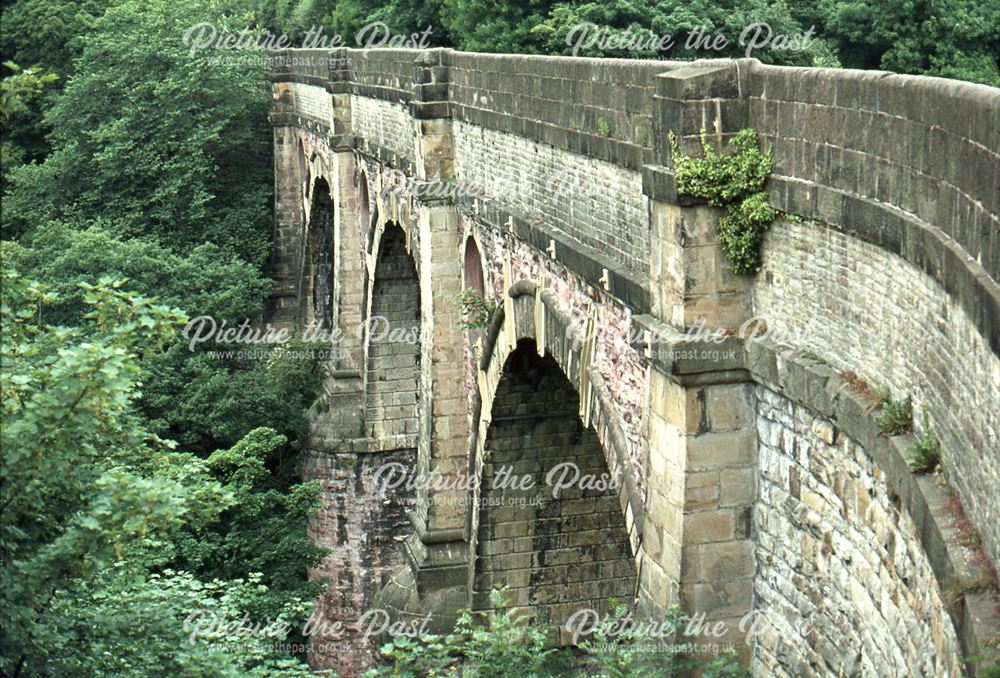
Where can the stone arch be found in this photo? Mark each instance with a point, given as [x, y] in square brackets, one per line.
[303, 167]
[364, 203]
[318, 264]
[529, 349]
[557, 549]
[472, 271]
[392, 339]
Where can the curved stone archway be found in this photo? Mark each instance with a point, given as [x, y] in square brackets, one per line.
[550, 527]
[393, 341]
[317, 282]
[540, 403]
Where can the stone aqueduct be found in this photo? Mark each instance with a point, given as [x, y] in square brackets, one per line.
[753, 479]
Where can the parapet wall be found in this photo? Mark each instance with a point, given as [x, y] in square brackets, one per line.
[908, 163]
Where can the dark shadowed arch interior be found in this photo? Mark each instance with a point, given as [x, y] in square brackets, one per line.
[318, 269]
[364, 207]
[304, 173]
[393, 340]
[556, 555]
[474, 267]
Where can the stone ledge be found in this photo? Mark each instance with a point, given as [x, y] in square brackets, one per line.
[690, 360]
[364, 445]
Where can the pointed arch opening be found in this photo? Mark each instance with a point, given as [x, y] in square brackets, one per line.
[473, 268]
[318, 266]
[393, 340]
[364, 204]
[557, 551]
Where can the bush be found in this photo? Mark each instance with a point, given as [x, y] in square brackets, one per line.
[926, 450]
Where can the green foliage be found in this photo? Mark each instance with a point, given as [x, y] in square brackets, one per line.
[639, 26]
[992, 671]
[622, 649]
[621, 652]
[262, 532]
[734, 181]
[207, 398]
[741, 232]
[484, 645]
[430, 655]
[953, 39]
[491, 645]
[48, 33]
[925, 450]
[21, 93]
[18, 88]
[154, 141]
[503, 639]
[477, 311]
[489, 26]
[603, 127]
[401, 17]
[159, 173]
[896, 416]
[95, 504]
[167, 624]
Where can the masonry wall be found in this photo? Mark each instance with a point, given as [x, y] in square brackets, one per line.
[596, 203]
[384, 125]
[926, 146]
[393, 342]
[843, 586]
[894, 274]
[869, 311]
[561, 101]
[363, 527]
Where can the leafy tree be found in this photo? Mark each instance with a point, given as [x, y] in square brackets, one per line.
[639, 26]
[48, 33]
[19, 88]
[157, 141]
[203, 400]
[401, 17]
[162, 625]
[948, 38]
[94, 505]
[20, 95]
[488, 26]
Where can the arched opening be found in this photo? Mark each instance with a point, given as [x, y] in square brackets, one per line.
[556, 554]
[473, 277]
[364, 208]
[318, 268]
[304, 174]
[393, 340]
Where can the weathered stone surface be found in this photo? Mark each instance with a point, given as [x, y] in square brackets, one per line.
[839, 556]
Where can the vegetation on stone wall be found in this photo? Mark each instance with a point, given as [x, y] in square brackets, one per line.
[477, 311]
[895, 416]
[735, 182]
[926, 449]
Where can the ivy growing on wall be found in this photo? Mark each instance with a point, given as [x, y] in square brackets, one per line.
[735, 182]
